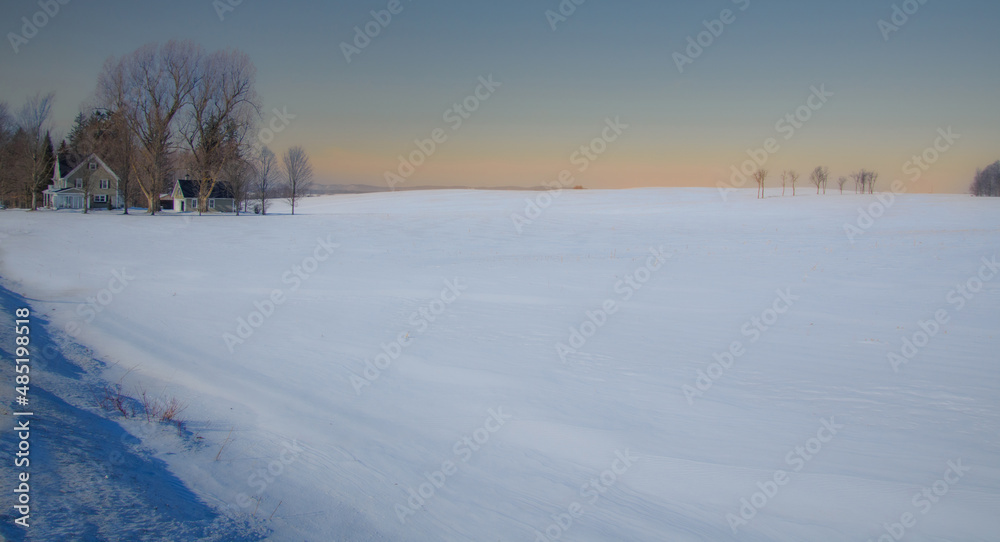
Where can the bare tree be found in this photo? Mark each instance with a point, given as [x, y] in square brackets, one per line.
[7, 128]
[864, 181]
[238, 175]
[150, 87]
[784, 181]
[819, 177]
[760, 176]
[119, 150]
[18, 191]
[841, 182]
[265, 170]
[33, 120]
[859, 181]
[298, 175]
[223, 105]
[793, 177]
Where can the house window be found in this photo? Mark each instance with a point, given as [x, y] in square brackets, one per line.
[100, 199]
[211, 204]
[92, 166]
[105, 184]
[79, 183]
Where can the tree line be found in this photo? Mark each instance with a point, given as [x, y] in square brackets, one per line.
[157, 111]
[26, 152]
[864, 180]
[987, 181]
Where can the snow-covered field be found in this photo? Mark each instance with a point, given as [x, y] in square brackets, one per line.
[649, 365]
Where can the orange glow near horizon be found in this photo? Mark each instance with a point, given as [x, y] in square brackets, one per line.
[612, 171]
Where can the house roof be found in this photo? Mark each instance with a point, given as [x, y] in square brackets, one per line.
[66, 164]
[191, 188]
[68, 160]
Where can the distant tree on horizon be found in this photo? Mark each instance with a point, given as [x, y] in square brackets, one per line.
[872, 179]
[819, 177]
[841, 182]
[859, 182]
[864, 181]
[793, 177]
[760, 176]
[987, 181]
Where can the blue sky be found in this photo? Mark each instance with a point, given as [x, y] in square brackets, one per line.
[607, 60]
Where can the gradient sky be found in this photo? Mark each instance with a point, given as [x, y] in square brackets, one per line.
[609, 59]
